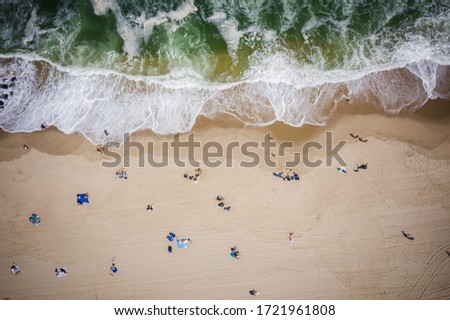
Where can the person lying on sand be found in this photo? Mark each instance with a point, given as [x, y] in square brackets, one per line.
[61, 272]
[234, 252]
[26, 147]
[407, 236]
[113, 268]
[291, 237]
[221, 204]
[363, 140]
[15, 269]
[341, 170]
[354, 136]
[121, 174]
[363, 166]
[253, 292]
[219, 198]
[227, 208]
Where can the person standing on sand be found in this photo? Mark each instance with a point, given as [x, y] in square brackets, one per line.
[291, 237]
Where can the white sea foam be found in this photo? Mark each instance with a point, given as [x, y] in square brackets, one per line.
[90, 101]
[394, 71]
[229, 31]
[136, 29]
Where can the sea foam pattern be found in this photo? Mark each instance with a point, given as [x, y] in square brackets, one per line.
[161, 65]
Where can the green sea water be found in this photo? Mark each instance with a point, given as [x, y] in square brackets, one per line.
[218, 57]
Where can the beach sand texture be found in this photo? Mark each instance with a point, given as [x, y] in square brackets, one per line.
[348, 242]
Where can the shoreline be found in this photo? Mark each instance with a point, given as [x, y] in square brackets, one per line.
[348, 243]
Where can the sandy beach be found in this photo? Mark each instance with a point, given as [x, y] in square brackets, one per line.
[348, 242]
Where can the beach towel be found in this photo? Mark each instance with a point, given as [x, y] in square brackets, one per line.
[82, 198]
[34, 219]
[342, 170]
[182, 243]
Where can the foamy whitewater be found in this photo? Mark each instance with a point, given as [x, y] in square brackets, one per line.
[122, 66]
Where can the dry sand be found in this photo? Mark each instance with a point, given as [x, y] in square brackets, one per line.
[348, 242]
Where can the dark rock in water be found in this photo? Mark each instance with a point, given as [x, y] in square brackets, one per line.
[4, 86]
[4, 96]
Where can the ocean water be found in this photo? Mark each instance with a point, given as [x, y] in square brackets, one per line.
[126, 65]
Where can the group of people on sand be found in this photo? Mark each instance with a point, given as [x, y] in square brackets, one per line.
[358, 137]
[358, 167]
[8, 83]
[222, 204]
[287, 175]
[61, 272]
[193, 177]
[234, 252]
[122, 174]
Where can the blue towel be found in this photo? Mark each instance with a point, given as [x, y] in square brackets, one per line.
[182, 245]
[82, 198]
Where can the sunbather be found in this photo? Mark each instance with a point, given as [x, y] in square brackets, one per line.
[342, 170]
[291, 237]
[363, 166]
[61, 272]
[407, 236]
[234, 252]
[15, 269]
[113, 268]
[253, 292]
